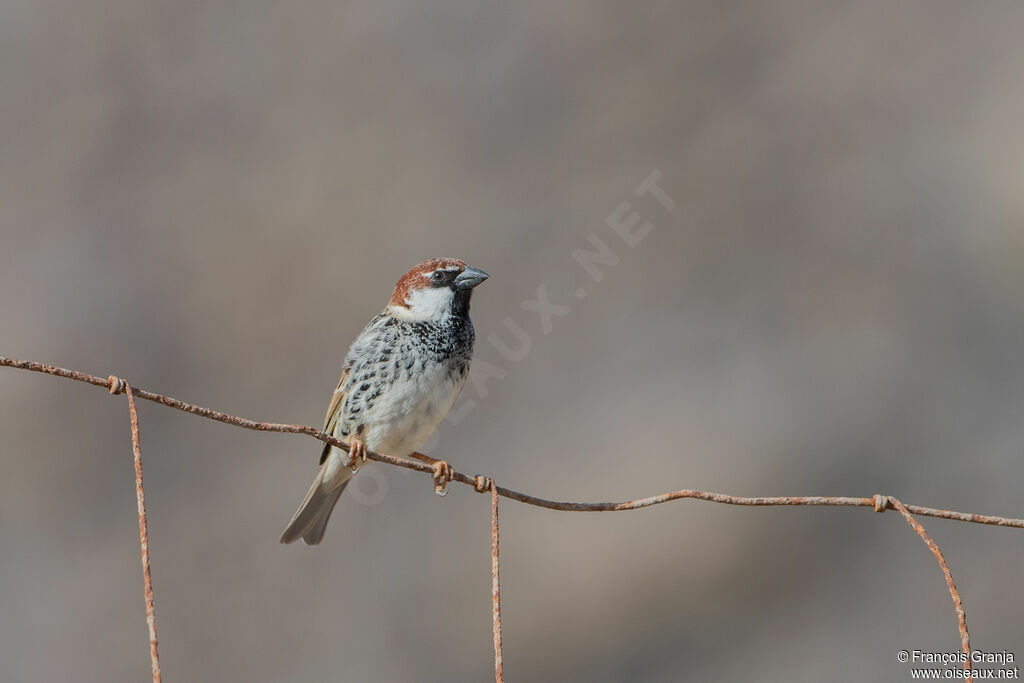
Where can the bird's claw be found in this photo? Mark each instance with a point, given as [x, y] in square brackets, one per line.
[442, 475]
[356, 454]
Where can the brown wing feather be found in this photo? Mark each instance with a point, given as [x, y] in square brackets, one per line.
[334, 410]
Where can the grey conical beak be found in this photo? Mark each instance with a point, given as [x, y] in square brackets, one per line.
[470, 278]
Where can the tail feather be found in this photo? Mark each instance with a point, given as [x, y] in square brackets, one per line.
[310, 521]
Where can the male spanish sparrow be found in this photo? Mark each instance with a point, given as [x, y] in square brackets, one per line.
[400, 377]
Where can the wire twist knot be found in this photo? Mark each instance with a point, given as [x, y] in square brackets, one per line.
[117, 385]
[881, 502]
[483, 484]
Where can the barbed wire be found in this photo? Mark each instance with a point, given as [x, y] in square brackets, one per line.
[878, 502]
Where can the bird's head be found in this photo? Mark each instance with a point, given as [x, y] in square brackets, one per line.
[434, 290]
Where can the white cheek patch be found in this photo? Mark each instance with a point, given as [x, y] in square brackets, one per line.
[430, 303]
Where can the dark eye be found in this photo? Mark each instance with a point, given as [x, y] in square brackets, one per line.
[437, 276]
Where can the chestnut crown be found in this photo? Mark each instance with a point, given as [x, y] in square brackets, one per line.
[435, 289]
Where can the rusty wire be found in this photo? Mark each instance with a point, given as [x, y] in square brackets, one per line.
[483, 485]
[840, 501]
[958, 605]
[499, 674]
[878, 502]
[116, 386]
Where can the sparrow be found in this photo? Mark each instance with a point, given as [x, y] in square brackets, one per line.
[400, 378]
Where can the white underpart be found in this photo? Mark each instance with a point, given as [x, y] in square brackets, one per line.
[427, 303]
[403, 420]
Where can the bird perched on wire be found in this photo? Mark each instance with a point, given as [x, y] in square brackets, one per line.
[401, 376]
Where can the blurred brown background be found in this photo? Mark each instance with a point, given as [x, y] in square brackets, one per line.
[212, 198]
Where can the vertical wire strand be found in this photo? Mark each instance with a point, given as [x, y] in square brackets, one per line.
[958, 605]
[140, 498]
[499, 675]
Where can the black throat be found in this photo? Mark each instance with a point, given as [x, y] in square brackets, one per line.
[460, 303]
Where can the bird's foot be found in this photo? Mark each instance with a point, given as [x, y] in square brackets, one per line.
[443, 472]
[442, 475]
[356, 453]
